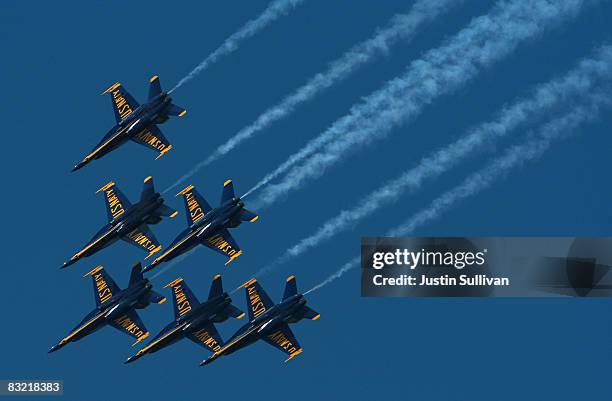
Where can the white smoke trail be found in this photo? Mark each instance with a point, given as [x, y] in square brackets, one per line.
[401, 27]
[275, 10]
[573, 86]
[484, 41]
[514, 157]
[172, 263]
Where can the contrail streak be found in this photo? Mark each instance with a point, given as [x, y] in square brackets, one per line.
[173, 262]
[276, 9]
[484, 41]
[401, 27]
[514, 157]
[577, 84]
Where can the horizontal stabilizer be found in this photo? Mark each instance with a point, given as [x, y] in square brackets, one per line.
[154, 297]
[234, 312]
[247, 215]
[177, 111]
[309, 313]
[164, 210]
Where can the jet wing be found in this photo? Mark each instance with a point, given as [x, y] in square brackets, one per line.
[195, 204]
[257, 300]
[143, 238]
[153, 138]
[182, 298]
[103, 284]
[116, 202]
[131, 325]
[208, 337]
[123, 103]
[223, 242]
[284, 340]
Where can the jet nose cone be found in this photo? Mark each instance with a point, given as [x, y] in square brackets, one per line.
[147, 268]
[77, 166]
[54, 348]
[68, 263]
[131, 359]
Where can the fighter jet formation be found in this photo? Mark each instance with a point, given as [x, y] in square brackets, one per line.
[208, 226]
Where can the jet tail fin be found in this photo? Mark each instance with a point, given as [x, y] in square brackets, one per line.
[216, 288]
[148, 190]
[154, 87]
[228, 191]
[136, 275]
[290, 288]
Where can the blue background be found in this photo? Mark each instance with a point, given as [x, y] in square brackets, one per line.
[56, 59]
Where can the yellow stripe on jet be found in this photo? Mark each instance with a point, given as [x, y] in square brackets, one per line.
[93, 271]
[107, 186]
[78, 254]
[145, 349]
[248, 283]
[112, 88]
[142, 337]
[185, 190]
[164, 151]
[74, 333]
[173, 283]
[231, 259]
[294, 354]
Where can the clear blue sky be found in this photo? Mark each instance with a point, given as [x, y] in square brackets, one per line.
[58, 58]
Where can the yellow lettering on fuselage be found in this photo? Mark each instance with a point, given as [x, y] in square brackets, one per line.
[205, 338]
[104, 292]
[182, 303]
[279, 338]
[123, 108]
[114, 204]
[257, 305]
